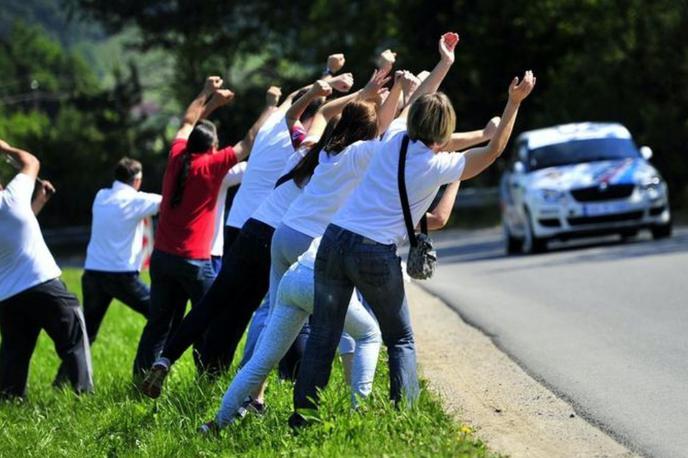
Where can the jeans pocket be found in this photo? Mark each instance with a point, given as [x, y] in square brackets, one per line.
[374, 271]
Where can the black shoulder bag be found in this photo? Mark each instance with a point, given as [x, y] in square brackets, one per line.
[422, 257]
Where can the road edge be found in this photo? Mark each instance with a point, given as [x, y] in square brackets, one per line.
[483, 387]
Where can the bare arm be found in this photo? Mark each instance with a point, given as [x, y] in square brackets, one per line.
[44, 191]
[439, 216]
[23, 161]
[197, 108]
[461, 140]
[243, 148]
[318, 89]
[448, 42]
[388, 110]
[478, 159]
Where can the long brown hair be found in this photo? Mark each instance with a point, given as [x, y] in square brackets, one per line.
[358, 121]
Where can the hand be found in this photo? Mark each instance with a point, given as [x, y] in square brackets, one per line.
[382, 95]
[371, 90]
[519, 91]
[335, 62]
[342, 83]
[448, 42]
[321, 89]
[272, 96]
[223, 96]
[44, 190]
[491, 127]
[212, 84]
[385, 60]
[409, 83]
[4, 146]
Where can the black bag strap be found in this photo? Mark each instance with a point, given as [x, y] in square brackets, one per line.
[286, 177]
[404, 196]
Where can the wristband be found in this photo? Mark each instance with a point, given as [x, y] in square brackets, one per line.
[328, 72]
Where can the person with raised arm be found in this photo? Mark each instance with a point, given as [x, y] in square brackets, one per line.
[181, 268]
[344, 152]
[223, 315]
[359, 247]
[32, 297]
[234, 178]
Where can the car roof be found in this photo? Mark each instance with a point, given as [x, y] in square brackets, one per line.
[574, 131]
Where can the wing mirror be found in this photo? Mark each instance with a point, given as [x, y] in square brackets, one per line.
[646, 152]
[519, 167]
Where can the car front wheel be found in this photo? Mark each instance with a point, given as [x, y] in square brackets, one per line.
[661, 231]
[532, 243]
[512, 245]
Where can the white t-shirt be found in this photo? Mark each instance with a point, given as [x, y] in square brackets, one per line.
[333, 180]
[269, 154]
[374, 208]
[273, 208]
[25, 260]
[233, 178]
[117, 229]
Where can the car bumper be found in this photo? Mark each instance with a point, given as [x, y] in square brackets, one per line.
[582, 219]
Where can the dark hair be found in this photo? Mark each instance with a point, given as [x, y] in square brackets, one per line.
[127, 169]
[312, 107]
[358, 121]
[203, 138]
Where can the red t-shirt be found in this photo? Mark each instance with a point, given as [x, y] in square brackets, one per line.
[187, 230]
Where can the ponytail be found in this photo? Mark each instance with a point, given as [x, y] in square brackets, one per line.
[202, 139]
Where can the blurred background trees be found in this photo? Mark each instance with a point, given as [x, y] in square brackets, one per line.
[113, 75]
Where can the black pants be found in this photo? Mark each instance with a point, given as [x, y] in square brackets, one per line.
[51, 307]
[99, 288]
[226, 309]
[174, 280]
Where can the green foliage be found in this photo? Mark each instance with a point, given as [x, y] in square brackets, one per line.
[117, 421]
[596, 60]
[53, 105]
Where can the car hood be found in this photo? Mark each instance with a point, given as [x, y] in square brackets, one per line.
[586, 174]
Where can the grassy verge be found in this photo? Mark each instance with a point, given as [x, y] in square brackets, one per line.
[117, 421]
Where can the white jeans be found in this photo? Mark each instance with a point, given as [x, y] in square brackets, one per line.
[294, 303]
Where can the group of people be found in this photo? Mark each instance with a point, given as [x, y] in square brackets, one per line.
[308, 254]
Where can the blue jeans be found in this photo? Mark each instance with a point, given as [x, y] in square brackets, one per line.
[174, 280]
[346, 260]
[293, 304]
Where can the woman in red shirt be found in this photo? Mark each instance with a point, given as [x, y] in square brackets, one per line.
[180, 265]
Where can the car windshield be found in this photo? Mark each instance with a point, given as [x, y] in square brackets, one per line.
[577, 151]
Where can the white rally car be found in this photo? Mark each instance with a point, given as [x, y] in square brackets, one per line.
[580, 179]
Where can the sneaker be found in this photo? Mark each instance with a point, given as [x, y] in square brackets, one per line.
[209, 428]
[152, 383]
[253, 406]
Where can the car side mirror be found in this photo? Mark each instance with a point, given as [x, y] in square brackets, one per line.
[646, 152]
[519, 167]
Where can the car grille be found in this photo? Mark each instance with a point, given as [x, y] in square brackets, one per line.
[618, 217]
[596, 193]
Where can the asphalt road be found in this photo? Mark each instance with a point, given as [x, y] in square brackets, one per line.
[604, 324]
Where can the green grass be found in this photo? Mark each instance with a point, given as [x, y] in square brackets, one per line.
[117, 421]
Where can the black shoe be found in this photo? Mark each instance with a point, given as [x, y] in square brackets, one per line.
[296, 422]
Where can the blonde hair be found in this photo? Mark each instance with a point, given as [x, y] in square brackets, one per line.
[431, 119]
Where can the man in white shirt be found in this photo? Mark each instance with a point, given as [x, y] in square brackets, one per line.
[32, 297]
[115, 251]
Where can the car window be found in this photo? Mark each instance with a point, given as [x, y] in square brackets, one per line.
[577, 151]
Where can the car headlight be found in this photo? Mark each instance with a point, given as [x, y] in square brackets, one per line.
[552, 196]
[652, 183]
